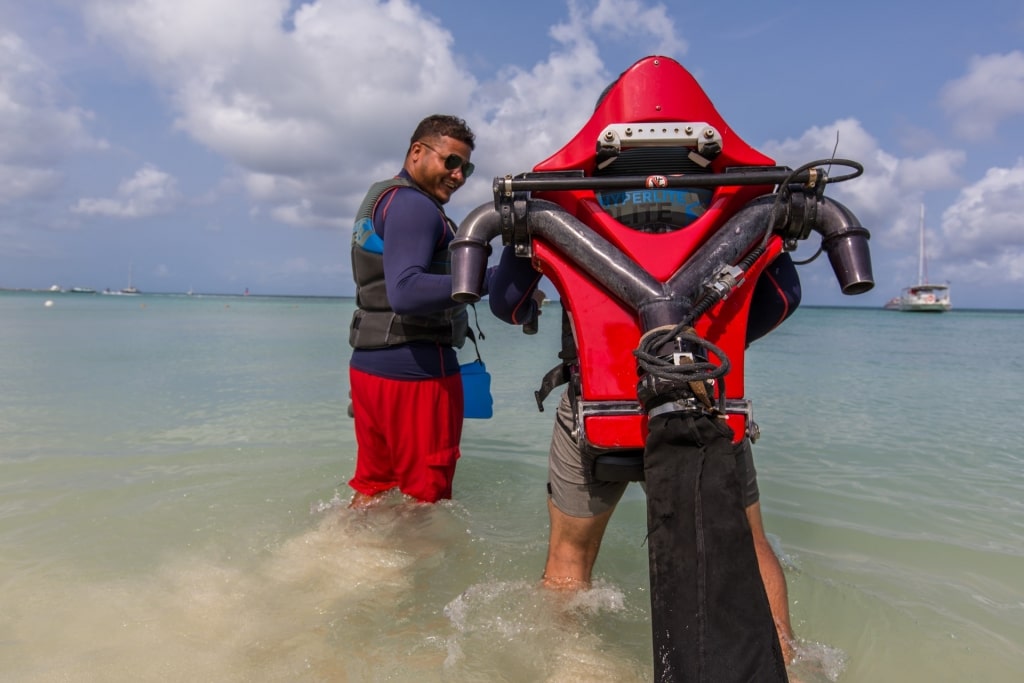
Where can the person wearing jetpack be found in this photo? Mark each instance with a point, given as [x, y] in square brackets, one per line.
[658, 226]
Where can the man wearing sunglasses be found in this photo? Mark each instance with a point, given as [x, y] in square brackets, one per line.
[407, 398]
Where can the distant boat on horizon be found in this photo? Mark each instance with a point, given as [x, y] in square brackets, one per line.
[924, 297]
[130, 289]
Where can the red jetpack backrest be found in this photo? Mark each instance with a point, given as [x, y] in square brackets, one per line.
[655, 89]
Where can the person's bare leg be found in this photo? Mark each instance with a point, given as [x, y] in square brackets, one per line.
[774, 581]
[361, 501]
[573, 545]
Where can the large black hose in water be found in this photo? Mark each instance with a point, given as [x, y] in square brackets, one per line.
[710, 617]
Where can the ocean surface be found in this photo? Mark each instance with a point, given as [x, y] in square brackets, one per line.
[173, 486]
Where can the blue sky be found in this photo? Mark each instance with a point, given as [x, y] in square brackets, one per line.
[224, 144]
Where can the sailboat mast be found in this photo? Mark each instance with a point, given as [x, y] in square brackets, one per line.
[922, 268]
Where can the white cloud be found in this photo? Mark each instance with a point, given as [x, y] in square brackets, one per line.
[150, 191]
[313, 109]
[625, 19]
[978, 239]
[528, 113]
[983, 226]
[17, 182]
[888, 195]
[37, 129]
[991, 92]
[300, 213]
[312, 106]
[265, 187]
[331, 97]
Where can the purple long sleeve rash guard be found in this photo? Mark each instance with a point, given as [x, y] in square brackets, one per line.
[412, 229]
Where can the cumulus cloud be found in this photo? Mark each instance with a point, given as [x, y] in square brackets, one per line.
[625, 19]
[18, 182]
[318, 100]
[528, 113]
[38, 130]
[312, 102]
[977, 239]
[991, 92]
[982, 228]
[149, 192]
[888, 195]
[300, 213]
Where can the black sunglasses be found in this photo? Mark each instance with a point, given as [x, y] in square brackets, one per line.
[453, 161]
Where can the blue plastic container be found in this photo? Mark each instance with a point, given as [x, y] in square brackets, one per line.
[476, 390]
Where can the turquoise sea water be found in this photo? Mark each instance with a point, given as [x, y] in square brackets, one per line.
[172, 490]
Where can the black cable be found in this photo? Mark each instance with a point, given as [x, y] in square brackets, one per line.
[857, 167]
[665, 369]
[662, 367]
[811, 258]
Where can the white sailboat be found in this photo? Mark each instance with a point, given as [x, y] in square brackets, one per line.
[130, 289]
[924, 297]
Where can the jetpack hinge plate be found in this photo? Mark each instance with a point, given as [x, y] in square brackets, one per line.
[694, 135]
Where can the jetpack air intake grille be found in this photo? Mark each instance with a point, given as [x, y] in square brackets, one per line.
[657, 210]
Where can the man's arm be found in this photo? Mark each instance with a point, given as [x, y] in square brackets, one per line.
[412, 231]
[512, 288]
[776, 295]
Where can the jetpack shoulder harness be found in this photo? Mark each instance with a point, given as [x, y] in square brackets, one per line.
[654, 223]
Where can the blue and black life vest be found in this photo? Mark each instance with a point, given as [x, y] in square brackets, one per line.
[374, 324]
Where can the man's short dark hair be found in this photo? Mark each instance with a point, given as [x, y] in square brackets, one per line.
[444, 125]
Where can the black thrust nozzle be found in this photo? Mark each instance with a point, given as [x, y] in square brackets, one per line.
[846, 243]
[470, 250]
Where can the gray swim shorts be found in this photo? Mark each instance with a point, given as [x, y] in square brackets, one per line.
[575, 491]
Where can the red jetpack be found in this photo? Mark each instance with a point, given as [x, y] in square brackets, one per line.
[662, 106]
[654, 223]
[657, 213]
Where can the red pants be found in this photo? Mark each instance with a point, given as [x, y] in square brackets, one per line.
[408, 434]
